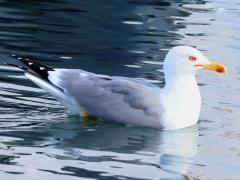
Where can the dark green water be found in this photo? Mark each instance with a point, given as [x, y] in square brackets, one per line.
[40, 141]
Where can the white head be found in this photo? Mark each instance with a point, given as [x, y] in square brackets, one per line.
[187, 60]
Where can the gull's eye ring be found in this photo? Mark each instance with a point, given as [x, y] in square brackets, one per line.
[192, 58]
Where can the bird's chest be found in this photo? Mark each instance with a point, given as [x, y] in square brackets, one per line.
[182, 108]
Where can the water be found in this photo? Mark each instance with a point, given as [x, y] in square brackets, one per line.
[39, 140]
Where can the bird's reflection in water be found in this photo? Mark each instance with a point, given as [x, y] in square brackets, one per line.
[178, 149]
[171, 151]
[95, 148]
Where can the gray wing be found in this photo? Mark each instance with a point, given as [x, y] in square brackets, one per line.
[120, 99]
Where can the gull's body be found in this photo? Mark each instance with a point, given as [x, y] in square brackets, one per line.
[128, 100]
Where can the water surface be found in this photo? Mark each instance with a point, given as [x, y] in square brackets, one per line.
[40, 140]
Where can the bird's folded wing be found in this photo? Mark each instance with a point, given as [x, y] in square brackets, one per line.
[105, 94]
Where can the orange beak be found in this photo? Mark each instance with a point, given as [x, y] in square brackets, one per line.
[214, 66]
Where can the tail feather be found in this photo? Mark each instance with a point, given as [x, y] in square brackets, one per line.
[38, 74]
[33, 70]
[36, 67]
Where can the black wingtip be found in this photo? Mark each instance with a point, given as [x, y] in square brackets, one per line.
[36, 67]
[29, 62]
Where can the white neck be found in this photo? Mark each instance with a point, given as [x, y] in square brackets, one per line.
[181, 101]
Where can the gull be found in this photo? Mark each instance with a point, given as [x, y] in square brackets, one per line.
[129, 100]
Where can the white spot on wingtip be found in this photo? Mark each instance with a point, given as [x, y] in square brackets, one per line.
[19, 58]
[42, 68]
[30, 63]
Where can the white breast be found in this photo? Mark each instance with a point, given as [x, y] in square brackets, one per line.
[182, 103]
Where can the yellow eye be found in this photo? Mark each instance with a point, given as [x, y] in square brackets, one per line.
[192, 58]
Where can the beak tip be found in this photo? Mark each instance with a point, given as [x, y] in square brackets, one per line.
[222, 69]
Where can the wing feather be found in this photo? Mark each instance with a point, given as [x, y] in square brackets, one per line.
[112, 98]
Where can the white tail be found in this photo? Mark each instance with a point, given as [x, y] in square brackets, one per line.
[60, 95]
